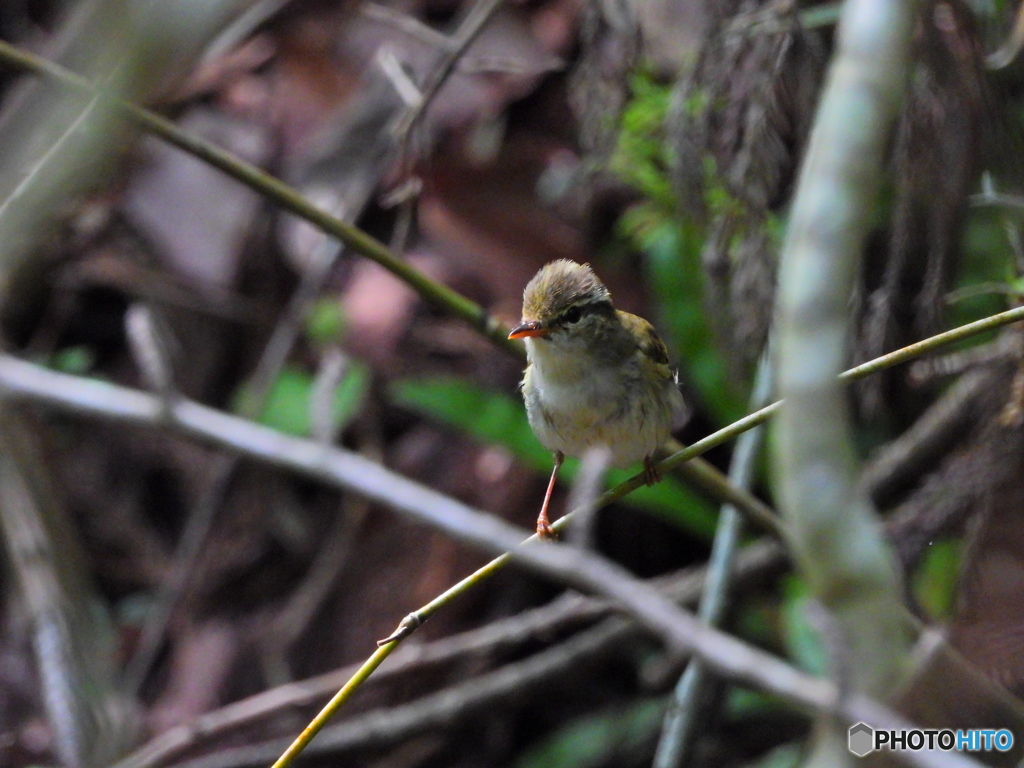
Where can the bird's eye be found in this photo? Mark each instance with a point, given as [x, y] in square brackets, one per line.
[573, 315]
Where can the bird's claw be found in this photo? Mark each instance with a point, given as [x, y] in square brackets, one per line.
[652, 474]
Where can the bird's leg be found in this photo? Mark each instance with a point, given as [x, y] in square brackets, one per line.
[652, 474]
[544, 529]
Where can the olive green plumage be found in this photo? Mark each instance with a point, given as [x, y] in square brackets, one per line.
[596, 375]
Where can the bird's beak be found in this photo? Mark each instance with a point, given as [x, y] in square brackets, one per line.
[532, 328]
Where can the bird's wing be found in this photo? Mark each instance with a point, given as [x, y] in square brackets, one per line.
[653, 349]
[654, 358]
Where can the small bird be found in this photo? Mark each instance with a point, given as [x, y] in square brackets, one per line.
[596, 375]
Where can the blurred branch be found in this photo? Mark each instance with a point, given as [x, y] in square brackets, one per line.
[222, 467]
[710, 479]
[91, 721]
[998, 199]
[685, 708]
[407, 24]
[305, 602]
[150, 347]
[836, 534]
[59, 143]
[1007, 53]
[182, 568]
[468, 30]
[287, 197]
[343, 468]
[953, 413]
[317, 269]
[585, 491]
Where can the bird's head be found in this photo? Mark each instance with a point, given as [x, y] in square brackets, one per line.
[565, 302]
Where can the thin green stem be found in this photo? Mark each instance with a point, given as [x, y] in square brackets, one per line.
[864, 370]
[287, 197]
[706, 476]
[318, 722]
[933, 342]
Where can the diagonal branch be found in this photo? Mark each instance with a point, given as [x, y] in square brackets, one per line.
[284, 195]
[469, 29]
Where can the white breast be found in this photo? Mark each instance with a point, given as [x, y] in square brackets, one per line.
[573, 406]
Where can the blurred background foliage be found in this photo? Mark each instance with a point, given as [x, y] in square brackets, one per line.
[660, 141]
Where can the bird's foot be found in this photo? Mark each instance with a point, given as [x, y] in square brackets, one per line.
[652, 474]
[544, 530]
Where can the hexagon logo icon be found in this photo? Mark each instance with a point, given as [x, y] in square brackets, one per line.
[862, 739]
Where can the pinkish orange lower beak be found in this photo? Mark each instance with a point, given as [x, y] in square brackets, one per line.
[524, 330]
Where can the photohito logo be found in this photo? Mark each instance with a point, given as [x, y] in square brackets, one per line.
[863, 739]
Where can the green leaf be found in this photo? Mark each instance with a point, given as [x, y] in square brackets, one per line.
[496, 418]
[640, 157]
[325, 322]
[936, 579]
[671, 244]
[287, 405]
[676, 277]
[599, 739]
[784, 756]
[350, 394]
[77, 360]
[987, 257]
[803, 640]
[744, 703]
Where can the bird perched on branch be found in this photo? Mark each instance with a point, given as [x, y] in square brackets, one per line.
[596, 375]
